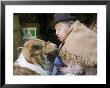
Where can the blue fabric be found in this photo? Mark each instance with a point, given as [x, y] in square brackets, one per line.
[57, 61]
[56, 66]
[54, 71]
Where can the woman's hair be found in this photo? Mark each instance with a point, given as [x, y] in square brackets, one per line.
[69, 23]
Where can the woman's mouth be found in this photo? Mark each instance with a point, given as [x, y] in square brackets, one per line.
[59, 38]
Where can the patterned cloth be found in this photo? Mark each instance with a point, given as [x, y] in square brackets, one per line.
[56, 66]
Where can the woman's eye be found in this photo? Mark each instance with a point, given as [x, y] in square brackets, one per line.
[58, 29]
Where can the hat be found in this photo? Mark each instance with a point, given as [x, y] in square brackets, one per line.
[62, 17]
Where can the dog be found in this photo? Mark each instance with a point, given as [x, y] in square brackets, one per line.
[33, 59]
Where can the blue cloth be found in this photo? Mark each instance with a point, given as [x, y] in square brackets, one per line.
[56, 66]
[58, 61]
[54, 71]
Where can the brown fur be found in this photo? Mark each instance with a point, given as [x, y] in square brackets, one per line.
[35, 52]
[36, 49]
[23, 71]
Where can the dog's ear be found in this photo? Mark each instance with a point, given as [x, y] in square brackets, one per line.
[36, 47]
[19, 48]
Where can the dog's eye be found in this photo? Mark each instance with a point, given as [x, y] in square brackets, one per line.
[37, 47]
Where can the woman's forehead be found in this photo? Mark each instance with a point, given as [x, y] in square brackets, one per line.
[61, 25]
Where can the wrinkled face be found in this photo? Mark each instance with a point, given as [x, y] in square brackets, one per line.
[61, 30]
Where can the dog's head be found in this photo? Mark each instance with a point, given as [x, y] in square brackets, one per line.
[36, 51]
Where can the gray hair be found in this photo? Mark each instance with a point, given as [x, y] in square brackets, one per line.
[68, 23]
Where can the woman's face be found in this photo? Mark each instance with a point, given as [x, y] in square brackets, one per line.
[61, 30]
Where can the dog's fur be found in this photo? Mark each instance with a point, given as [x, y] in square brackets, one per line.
[33, 58]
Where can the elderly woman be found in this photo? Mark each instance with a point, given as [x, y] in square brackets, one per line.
[78, 49]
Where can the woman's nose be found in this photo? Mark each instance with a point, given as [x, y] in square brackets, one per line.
[57, 33]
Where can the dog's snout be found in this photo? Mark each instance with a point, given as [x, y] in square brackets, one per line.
[54, 46]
